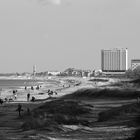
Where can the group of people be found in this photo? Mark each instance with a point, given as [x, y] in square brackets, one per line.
[32, 88]
[15, 94]
[28, 95]
[28, 98]
[50, 92]
[11, 98]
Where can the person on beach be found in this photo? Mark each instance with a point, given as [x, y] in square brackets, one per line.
[5, 99]
[55, 93]
[15, 96]
[1, 101]
[28, 97]
[33, 99]
[19, 109]
[32, 88]
[37, 88]
[28, 111]
[14, 91]
[48, 90]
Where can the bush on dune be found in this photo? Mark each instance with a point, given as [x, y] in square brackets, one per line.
[118, 113]
[99, 80]
[103, 93]
[136, 81]
[55, 113]
[69, 120]
[126, 114]
[136, 135]
[32, 123]
[63, 107]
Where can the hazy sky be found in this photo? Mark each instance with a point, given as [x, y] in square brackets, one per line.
[57, 34]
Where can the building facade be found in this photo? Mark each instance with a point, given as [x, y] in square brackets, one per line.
[135, 63]
[115, 60]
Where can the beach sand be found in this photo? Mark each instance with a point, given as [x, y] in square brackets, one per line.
[10, 123]
[62, 86]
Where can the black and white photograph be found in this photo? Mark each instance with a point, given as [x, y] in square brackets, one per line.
[69, 69]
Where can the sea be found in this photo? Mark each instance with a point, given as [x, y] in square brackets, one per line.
[18, 83]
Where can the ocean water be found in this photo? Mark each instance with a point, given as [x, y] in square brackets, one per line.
[17, 83]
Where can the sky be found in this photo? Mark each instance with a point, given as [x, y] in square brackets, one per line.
[58, 34]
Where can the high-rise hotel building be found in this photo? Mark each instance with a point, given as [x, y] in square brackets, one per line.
[114, 60]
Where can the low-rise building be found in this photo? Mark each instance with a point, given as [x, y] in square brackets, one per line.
[54, 73]
[135, 63]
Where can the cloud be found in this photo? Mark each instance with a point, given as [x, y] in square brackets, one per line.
[46, 2]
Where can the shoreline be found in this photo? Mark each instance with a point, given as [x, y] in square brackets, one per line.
[61, 85]
[58, 85]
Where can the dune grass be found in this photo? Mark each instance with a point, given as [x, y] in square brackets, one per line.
[52, 114]
[99, 80]
[135, 81]
[129, 111]
[103, 93]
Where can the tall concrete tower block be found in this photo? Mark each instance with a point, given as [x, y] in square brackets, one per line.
[114, 60]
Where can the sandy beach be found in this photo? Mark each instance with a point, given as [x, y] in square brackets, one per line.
[11, 123]
[62, 86]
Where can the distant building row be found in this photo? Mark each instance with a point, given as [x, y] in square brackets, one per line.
[78, 72]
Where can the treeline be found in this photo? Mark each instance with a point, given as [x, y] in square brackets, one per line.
[8, 74]
[133, 73]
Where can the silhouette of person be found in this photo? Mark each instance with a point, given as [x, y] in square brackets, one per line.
[28, 96]
[6, 99]
[14, 91]
[15, 96]
[37, 87]
[1, 101]
[19, 109]
[33, 99]
[32, 88]
[28, 111]
[55, 93]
